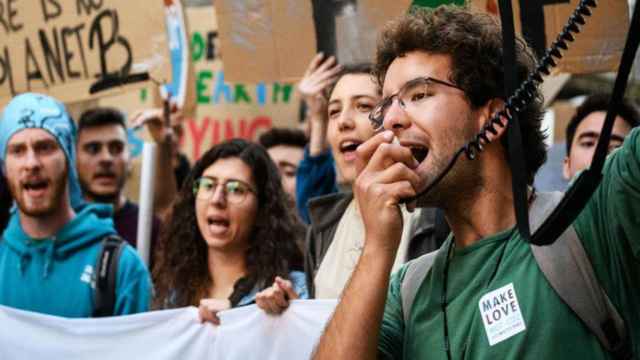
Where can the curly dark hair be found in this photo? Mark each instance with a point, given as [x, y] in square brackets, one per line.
[473, 41]
[181, 272]
[600, 102]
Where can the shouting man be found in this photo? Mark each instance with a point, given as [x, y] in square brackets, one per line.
[484, 296]
[49, 250]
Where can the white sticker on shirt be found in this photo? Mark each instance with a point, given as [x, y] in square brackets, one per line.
[501, 314]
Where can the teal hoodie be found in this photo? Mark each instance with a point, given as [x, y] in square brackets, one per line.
[56, 275]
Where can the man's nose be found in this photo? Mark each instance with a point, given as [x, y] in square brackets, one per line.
[396, 117]
[105, 155]
[32, 159]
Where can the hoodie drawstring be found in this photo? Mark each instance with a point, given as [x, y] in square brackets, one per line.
[24, 259]
[48, 258]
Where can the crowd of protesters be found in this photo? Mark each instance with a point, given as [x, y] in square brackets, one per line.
[321, 215]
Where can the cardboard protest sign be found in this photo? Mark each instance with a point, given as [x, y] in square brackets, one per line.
[358, 24]
[266, 40]
[224, 109]
[275, 39]
[80, 49]
[228, 109]
[598, 46]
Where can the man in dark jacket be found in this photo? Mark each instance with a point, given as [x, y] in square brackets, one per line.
[103, 166]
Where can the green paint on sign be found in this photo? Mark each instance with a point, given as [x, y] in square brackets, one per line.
[436, 3]
[241, 94]
[198, 46]
[203, 77]
[281, 90]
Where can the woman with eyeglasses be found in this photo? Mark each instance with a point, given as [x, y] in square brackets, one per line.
[232, 236]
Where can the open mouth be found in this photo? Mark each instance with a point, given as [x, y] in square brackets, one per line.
[36, 186]
[349, 146]
[105, 176]
[218, 225]
[218, 222]
[348, 149]
[419, 152]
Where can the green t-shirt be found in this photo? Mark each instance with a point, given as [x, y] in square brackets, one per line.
[609, 228]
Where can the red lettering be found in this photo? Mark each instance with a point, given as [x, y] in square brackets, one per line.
[218, 130]
[197, 135]
[243, 130]
[215, 132]
[257, 123]
[230, 133]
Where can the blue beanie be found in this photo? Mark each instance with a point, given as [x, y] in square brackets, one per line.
[37, 111]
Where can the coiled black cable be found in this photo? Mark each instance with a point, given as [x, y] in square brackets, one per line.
[523, 94]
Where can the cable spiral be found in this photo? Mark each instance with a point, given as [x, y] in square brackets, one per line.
[523, 95]
[526, 91]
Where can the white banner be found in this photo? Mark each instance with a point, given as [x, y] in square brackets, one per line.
[244, 333]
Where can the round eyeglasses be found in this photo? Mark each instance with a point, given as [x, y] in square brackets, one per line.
[412, 94]
[235, 191]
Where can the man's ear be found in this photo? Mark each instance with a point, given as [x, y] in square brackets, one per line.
[487, 111]
[566, 168]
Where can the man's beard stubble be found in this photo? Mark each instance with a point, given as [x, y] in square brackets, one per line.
[101, 198]
[58, 190]
[109, 198]
[460, 182]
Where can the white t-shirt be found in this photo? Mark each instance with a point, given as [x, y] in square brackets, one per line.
[345, 250]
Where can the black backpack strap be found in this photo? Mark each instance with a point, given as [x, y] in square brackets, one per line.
[106, 272]
[567, 267]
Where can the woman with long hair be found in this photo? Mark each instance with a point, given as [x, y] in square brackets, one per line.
[231, 236]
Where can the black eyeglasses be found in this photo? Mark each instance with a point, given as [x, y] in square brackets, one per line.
[235, 191]
[412, 94]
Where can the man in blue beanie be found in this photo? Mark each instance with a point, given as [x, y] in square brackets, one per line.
[50, 248]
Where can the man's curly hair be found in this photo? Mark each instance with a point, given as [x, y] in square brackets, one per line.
[473, 41]
[181, 272]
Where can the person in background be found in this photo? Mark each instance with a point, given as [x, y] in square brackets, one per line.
[316, 174]
[584, 128]
[335, 237]
[103, 163]
[49, 250]
[231, 235]
[286, 149]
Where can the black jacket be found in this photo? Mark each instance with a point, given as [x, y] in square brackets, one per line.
[325, 213]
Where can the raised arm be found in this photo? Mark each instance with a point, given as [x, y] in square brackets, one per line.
[319, 75]
[166, 188]
[388, 177]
